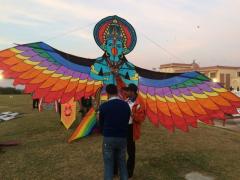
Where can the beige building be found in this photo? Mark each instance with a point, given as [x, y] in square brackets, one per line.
[227, 76]
[178, 67]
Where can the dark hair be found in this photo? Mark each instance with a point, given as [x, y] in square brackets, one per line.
[111, 89]
[133, 88]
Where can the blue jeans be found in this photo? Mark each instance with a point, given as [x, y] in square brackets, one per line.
[114, 147]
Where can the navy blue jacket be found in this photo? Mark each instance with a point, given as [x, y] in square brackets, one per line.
[114, 117]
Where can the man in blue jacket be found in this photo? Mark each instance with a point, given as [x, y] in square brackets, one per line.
[113, 119]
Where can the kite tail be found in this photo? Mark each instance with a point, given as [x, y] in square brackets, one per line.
[120, 85]
[86, 126]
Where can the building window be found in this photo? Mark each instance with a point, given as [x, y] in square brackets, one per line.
[238, 74]
[212, 75]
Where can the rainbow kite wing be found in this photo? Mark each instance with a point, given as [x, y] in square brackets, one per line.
[49, 73]
[178, 100]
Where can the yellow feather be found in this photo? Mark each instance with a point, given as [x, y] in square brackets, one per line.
[48, 72]
[211, 93]
[21, 56]
[142, 94]
[200, 96]
[219, 89]
[90, 82]
[189, 97]
[170, 99]
[56, 75]
[39, 67]
[65, 77]
[74, 79]
[178, 98]
[151, 97]
[160, 98]
[98, 83]
[15, 50]
[31, 62]
[82, 81]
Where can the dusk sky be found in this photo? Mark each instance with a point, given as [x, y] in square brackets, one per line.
[207, 31]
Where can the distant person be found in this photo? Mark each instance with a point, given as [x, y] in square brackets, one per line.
[59, 107]
[85, 104]
[35, 103]
[113, 119]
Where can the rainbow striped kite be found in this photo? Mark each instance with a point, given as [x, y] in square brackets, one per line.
[86, 126]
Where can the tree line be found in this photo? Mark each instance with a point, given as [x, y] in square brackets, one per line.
[10, 90]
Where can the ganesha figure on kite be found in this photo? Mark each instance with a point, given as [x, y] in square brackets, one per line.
[173, 100]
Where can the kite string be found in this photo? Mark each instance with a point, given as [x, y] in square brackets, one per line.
[93, 23]
[159, 46]
[69, 32]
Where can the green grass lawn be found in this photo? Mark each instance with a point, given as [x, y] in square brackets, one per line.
[45, 153]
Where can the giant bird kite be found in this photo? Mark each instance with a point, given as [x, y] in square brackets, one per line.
[174, 100]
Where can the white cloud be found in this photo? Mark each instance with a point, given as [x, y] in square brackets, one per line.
[21, 15]
[72, 8]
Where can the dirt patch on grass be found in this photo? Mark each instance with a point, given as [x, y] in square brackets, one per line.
[197, 176]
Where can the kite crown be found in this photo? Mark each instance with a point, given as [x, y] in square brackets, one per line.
[116, 29]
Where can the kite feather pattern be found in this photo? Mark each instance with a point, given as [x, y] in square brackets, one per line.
[48, 73]
[183, 99]
[173, 100]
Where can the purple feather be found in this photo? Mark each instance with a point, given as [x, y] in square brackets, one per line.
[151, 91]
[29, 53]
[205, 87]
[176, 92]
[159, 92]
[23, 48]
[195, 90]
[214, 85]
[76, 74]
[37, 58]
[61, 70]
[143, 89]
[167, 92]
[185, 91]
[53, 67]
[84, 76]
[45, 64]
